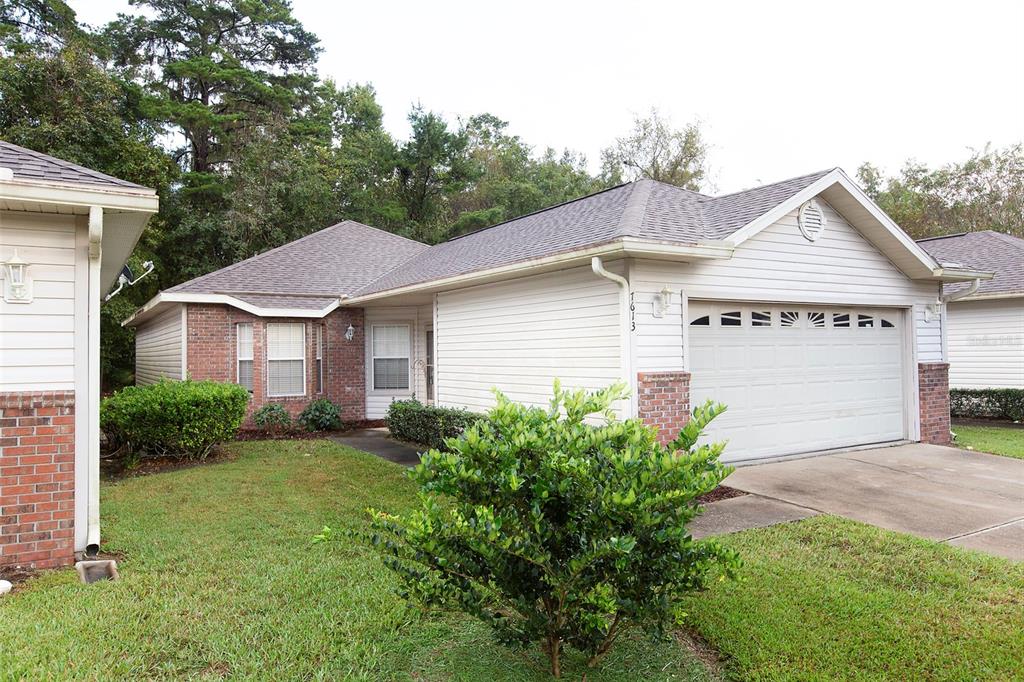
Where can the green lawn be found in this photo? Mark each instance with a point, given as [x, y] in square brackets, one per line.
[220, 580]
[999, 440]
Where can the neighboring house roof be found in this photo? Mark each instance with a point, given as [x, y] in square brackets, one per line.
[32, 165]
[644, 209]
[987, 250]
[310, 272]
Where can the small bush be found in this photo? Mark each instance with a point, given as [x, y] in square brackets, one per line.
[987, 403]
[177, 418]
[413, 421]
[320, 415]
[272, 417]
[556, 531]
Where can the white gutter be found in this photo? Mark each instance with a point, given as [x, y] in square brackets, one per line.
[92, 397]
[185, 297]
[956, 296]
[624, 327]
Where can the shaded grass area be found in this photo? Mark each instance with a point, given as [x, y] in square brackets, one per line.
[829, 598]
[220, 581]
[998, 440]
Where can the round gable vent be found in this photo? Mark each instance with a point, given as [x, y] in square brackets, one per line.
[812, 220]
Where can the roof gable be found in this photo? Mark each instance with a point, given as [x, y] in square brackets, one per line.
[31, 165]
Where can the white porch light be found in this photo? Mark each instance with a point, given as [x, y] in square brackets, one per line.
[350, 333]
[17, 286]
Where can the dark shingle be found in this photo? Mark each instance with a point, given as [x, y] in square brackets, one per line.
[32, 165]
[987, 251]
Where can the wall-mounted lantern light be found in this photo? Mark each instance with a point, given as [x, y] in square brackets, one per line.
[17, 285]
[350, 333]
[662, 301]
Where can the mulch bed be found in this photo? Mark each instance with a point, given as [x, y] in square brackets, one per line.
[17, 574]
[115, 469]
[722, 492]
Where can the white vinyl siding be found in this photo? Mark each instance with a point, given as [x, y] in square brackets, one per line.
[158, 347]
[521, 334]
[37, 339]
[778, 265]
[986, 343]
[391, 346]
[243, 350]
[286, 359]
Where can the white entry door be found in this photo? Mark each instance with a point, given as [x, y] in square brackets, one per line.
[797, 378]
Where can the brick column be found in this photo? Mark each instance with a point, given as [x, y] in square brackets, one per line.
[663, 401]
[933, 390]
[37, 478]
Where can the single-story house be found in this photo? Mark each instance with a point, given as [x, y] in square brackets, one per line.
[65, 233]
[985, 337]
[799, 304]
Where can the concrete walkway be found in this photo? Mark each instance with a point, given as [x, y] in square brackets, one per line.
[964, 498]
[379, 442]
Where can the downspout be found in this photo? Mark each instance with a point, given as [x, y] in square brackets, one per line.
[92, 398]
[627, 357]
[956, 296]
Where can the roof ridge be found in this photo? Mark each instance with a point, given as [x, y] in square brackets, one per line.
[636, 207]
[820, 173]
[1010, 239]
[69, 164]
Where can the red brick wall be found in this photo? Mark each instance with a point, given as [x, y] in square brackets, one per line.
[37, 479]
[933, 390]
[663, 401]
[212, 354]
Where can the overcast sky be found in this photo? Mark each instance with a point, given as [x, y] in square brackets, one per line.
[780, 88]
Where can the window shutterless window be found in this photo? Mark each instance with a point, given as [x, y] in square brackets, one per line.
[243, 337]
[319, 358]
[286, 359]
[390, 345]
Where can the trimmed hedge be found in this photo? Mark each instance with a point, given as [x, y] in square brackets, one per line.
[987, 403]
[413, 421]
[176, 418]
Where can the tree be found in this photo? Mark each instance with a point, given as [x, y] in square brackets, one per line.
[556, 531]
[32, 25]
[655, 150]
[985, 192]
[215, 68]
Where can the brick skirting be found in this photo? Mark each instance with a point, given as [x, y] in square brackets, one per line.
[663, 401]
[37, 479]
[933, 390]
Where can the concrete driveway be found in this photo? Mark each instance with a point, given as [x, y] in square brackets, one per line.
[964, 498]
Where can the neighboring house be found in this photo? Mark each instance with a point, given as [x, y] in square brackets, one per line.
[65, 232]
[986, 326]
[798, 304]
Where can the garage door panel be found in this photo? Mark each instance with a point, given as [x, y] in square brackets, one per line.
[799, 383]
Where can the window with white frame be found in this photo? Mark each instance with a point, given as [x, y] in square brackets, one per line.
[319, 358]
[390, 347]
[286, 359]
[243, 335]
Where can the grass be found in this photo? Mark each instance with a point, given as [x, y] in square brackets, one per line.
[998, 440]
[220, 581]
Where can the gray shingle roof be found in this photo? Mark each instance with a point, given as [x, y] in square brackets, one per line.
[310, 272]
[32, 165]
[988, 251]
[644, 209]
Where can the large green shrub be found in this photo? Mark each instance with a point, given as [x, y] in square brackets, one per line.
[554, 530]
[320, 415]
[177, 418]
[413, 421]
[272, 417]
[987, 403]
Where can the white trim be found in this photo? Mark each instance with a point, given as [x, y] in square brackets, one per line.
[146, 311]
[912, 397]
[408, 359]
[81, 355]
[434, 327]
[305, 349]
[184, 341]
[318, 358]
[93, 395]
[238, 354]
[991, 297]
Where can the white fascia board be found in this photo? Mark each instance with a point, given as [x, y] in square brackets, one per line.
[834, 177]
[619, 248]
[155, 303]
[991, 297]
[960, 274]
[115, 199]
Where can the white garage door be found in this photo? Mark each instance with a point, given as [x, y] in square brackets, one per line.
[797, 379]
